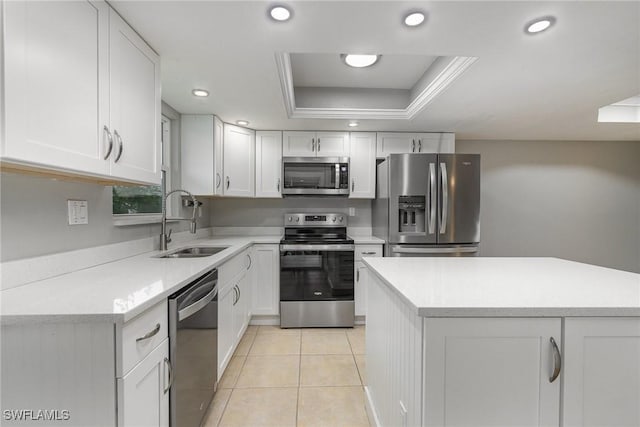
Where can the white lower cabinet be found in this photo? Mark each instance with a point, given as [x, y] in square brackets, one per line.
[266, 280]
[601, 372]
[491, 372]
[234, 305]
[361, 275]
[143, 393]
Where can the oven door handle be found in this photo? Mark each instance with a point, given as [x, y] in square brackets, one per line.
[317, 247]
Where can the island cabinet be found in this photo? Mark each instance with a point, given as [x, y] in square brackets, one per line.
[443, 364]
[82, 93]
[234, 304]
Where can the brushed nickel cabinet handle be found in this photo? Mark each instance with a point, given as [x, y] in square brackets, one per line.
[228, 182]
[368, 253]
[218, 180]
[358, 275]
[110, 139]
[149, 334]
[121, 145]
[419, 146]
[557, 360]
[318, 145]
[249, 258]
[313, 144]
[278, 186]
[168, 363]
[413, 146]
[353, 185]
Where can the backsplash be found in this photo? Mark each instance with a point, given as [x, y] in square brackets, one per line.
[231, 212]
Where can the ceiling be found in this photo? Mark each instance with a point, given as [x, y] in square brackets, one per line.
[523, 87]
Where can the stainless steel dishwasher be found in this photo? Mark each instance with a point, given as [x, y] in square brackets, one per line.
[193, 341]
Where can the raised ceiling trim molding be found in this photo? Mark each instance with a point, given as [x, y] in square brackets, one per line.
[456, 66]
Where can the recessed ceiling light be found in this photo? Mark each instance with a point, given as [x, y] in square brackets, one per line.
[280, 13]
[353, 124]
[200, 92]
[414, 19]
[359, 61]
[242, 122]
[539, 25]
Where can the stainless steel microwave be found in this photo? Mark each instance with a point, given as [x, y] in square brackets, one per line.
[315, 176]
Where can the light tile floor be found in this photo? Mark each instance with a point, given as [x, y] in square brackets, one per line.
[293, 377]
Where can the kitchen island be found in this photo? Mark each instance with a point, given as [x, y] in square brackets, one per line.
[502, 342]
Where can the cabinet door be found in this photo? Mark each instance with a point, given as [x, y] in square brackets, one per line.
[201, 149]
[241, 308]
[395, 143]
[239, 160]
[362, 165]
[268, 164]
[226, 300]
[360, 289]
[134, 87]
[265, 295]
[490, 372]
[143, 394]
[436, 143]
[56, 84]
[601, 372]
[298, 144]
[332, 144]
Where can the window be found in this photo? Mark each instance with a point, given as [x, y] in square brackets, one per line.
[145, 202]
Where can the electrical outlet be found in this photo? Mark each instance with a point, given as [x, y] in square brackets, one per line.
[78, 211]
[352, 211]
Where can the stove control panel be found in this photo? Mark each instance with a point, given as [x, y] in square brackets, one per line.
[315, 220]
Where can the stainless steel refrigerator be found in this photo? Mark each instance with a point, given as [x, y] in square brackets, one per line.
[428, 204]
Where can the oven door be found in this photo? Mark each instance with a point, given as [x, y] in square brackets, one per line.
[328, 176]
[316, 272]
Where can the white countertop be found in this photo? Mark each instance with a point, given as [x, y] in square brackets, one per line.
[493, 287]
[116, 291]
[366, 240]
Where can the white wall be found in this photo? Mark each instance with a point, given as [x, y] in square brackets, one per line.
[33, 213]
[573, 200]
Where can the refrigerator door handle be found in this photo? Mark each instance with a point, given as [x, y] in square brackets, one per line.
[444, 181]
[431, 219]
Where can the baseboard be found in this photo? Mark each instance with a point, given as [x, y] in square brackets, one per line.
[371, 410]
[265, 320]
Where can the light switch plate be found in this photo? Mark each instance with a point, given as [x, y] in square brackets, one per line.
[78, 212]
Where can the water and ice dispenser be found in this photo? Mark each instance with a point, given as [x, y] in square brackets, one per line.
[411, 214]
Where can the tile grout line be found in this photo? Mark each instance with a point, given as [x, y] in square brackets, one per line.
[299, 379]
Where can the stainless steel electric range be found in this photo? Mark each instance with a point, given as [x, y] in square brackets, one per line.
[316, 271]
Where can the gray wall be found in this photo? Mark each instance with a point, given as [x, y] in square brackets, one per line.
[270, 212]
[574, 200]
[33, 213]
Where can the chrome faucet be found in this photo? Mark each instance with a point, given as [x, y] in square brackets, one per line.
[166, 238]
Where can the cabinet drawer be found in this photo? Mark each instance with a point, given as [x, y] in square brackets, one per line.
[152, 324]
[232, 268]
[368, 250]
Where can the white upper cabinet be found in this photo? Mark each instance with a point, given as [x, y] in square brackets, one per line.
[362, 165]
[82, 89]
[56, 84]
[315, 144]
[134, 83]
[239, 160]
[269, 164]
[401, 142]
[201, 150]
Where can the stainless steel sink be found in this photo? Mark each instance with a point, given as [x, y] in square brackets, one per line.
[194, 252]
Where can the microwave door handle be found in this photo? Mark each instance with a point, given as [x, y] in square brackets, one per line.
[337, 186]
